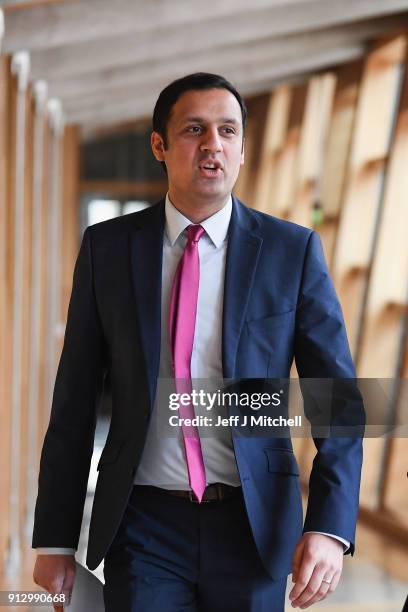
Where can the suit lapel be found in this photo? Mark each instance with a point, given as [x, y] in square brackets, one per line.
[244, 245]
[146, 254]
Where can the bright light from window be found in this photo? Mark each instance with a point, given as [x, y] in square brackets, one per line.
[134, 206]
[101, 210]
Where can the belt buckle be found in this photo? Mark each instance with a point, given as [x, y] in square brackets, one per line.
[193, 498]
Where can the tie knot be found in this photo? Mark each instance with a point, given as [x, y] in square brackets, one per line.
[195, 232]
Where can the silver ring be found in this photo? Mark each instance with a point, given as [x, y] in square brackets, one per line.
[328, 581]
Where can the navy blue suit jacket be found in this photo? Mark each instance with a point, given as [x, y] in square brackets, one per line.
[279, 305]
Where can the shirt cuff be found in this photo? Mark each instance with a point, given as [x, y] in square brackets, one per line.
[345, 543]
[55, 551]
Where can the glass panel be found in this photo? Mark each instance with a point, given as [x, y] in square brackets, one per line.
[101, 210]
[134, 206]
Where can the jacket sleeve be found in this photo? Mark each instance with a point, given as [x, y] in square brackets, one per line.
[331, 398]
[68, 444]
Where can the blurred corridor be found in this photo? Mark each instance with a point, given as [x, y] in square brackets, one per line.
[326, 85]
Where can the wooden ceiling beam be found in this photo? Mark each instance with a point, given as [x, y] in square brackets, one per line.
[140, 102]
[242, 75]
[45, 26]
[11, 6]
[203, 35]
[277, 51]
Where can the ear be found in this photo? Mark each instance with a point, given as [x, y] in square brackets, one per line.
[157, 144]
[243, 152]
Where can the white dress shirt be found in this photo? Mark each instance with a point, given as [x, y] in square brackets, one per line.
[163, 461]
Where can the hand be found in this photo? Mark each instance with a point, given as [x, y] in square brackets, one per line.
[56, 574]
[317, 557]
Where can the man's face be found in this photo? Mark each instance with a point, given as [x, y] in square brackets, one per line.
[204, 145]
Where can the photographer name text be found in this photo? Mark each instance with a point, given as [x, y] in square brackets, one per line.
[235, 421]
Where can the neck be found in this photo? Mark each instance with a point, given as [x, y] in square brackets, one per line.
[197, 210]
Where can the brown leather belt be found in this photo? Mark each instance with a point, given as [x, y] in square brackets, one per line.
[213, 492]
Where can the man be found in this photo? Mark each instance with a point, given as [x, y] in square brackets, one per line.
[198, 286]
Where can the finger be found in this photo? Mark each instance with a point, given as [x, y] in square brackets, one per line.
[55, 588]
[321, 593]
[304, 574]
[55, 585]
[325, 589]
[335, 581]
[69, 579]
[68, 584]
[311, 587]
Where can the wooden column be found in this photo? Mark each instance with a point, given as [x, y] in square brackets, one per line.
[5, 303]
[54, 330]
[33, 416]
[25, 528]
[20, 68]
[43, 408]
[69, 213]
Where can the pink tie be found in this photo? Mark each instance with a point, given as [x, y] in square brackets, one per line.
[183, 310]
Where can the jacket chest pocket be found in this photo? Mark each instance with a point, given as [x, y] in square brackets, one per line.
[262, 340]
[272, 324]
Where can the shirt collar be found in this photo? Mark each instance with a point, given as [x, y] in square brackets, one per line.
[216, 226]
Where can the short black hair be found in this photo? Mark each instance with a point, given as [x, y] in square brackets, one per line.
[196, 81]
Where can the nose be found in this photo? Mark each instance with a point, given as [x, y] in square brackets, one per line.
[211, 141]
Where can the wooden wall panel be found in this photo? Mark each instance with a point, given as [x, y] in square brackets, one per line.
[241, 188]
[394, 499]
[314, 131]
[276, 126]
[244, 187]
[361, 220]
[384, 316]
[387, 299]
[337, 153]
[373, 128]
[286, 161]
[344, 160]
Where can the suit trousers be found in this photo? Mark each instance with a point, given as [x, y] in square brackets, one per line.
[172, 555]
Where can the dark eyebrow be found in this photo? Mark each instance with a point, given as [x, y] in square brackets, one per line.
[233, 121]
[202, 120]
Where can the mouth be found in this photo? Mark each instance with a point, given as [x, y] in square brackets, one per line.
[210, 169]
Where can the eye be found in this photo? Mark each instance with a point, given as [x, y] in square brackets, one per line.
[194, 129]
[229, 130]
